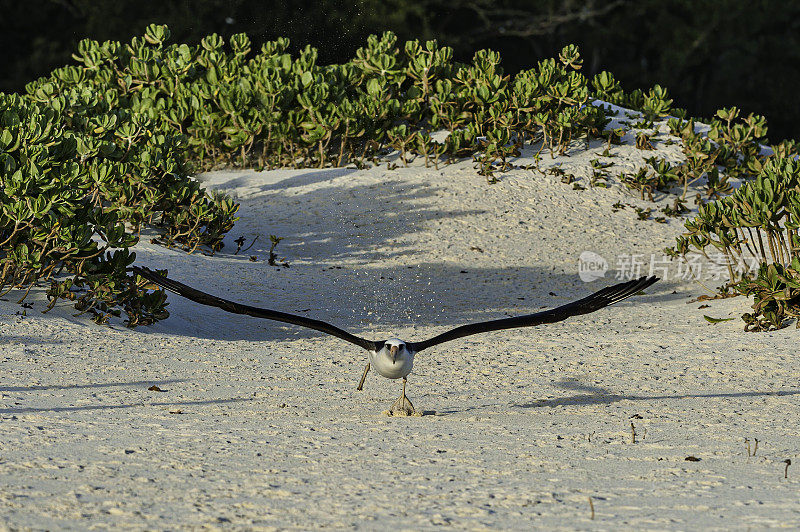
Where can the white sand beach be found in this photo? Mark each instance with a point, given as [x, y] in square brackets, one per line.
[259, 426]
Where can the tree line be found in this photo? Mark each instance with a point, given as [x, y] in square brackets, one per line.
[709, 54]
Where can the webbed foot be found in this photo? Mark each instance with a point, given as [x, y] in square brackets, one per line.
[402, 407]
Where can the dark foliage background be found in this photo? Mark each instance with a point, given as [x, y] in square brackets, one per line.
[709, 54]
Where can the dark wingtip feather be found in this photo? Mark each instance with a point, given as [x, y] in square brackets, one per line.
[632, 288]
[239, 308]
[160, 280]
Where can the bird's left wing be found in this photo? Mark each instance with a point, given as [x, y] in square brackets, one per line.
[238, 308]
[602, 298]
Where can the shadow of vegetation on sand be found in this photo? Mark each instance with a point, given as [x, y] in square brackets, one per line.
[367, 302]
[29, 410]
[352, 249]
[133, 384]
[366, 221]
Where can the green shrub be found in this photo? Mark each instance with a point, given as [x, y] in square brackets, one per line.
[759, 221]
[267, 109]
[52, 215]
[82, 169]
[98, 149]
[776, 291]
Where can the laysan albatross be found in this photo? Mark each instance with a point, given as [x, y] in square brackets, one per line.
[394, 358]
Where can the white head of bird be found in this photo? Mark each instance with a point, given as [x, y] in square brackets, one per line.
[393, 360]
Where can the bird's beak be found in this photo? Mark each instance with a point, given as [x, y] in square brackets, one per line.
[393, 352]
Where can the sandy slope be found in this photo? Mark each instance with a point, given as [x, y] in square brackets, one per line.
[260, 426]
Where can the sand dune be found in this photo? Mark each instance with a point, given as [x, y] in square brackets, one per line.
[260, 426]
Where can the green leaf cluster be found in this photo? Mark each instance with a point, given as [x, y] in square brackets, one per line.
[83, 166]
[776, 292]
[100, 148]
[268, 109]
[732, 145]
[761, 219]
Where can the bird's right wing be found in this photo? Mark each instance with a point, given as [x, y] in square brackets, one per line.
[237, 308]
[596, 301]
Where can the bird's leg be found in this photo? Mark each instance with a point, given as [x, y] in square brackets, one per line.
[364, 376]
[402, 407]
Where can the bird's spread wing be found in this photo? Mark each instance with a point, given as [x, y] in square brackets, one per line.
[603, 298]
[237, 308]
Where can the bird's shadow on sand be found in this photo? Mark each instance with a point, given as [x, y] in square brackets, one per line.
[595, 395]
[608, 398]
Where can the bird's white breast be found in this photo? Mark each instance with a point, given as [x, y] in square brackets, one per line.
[383, 364]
